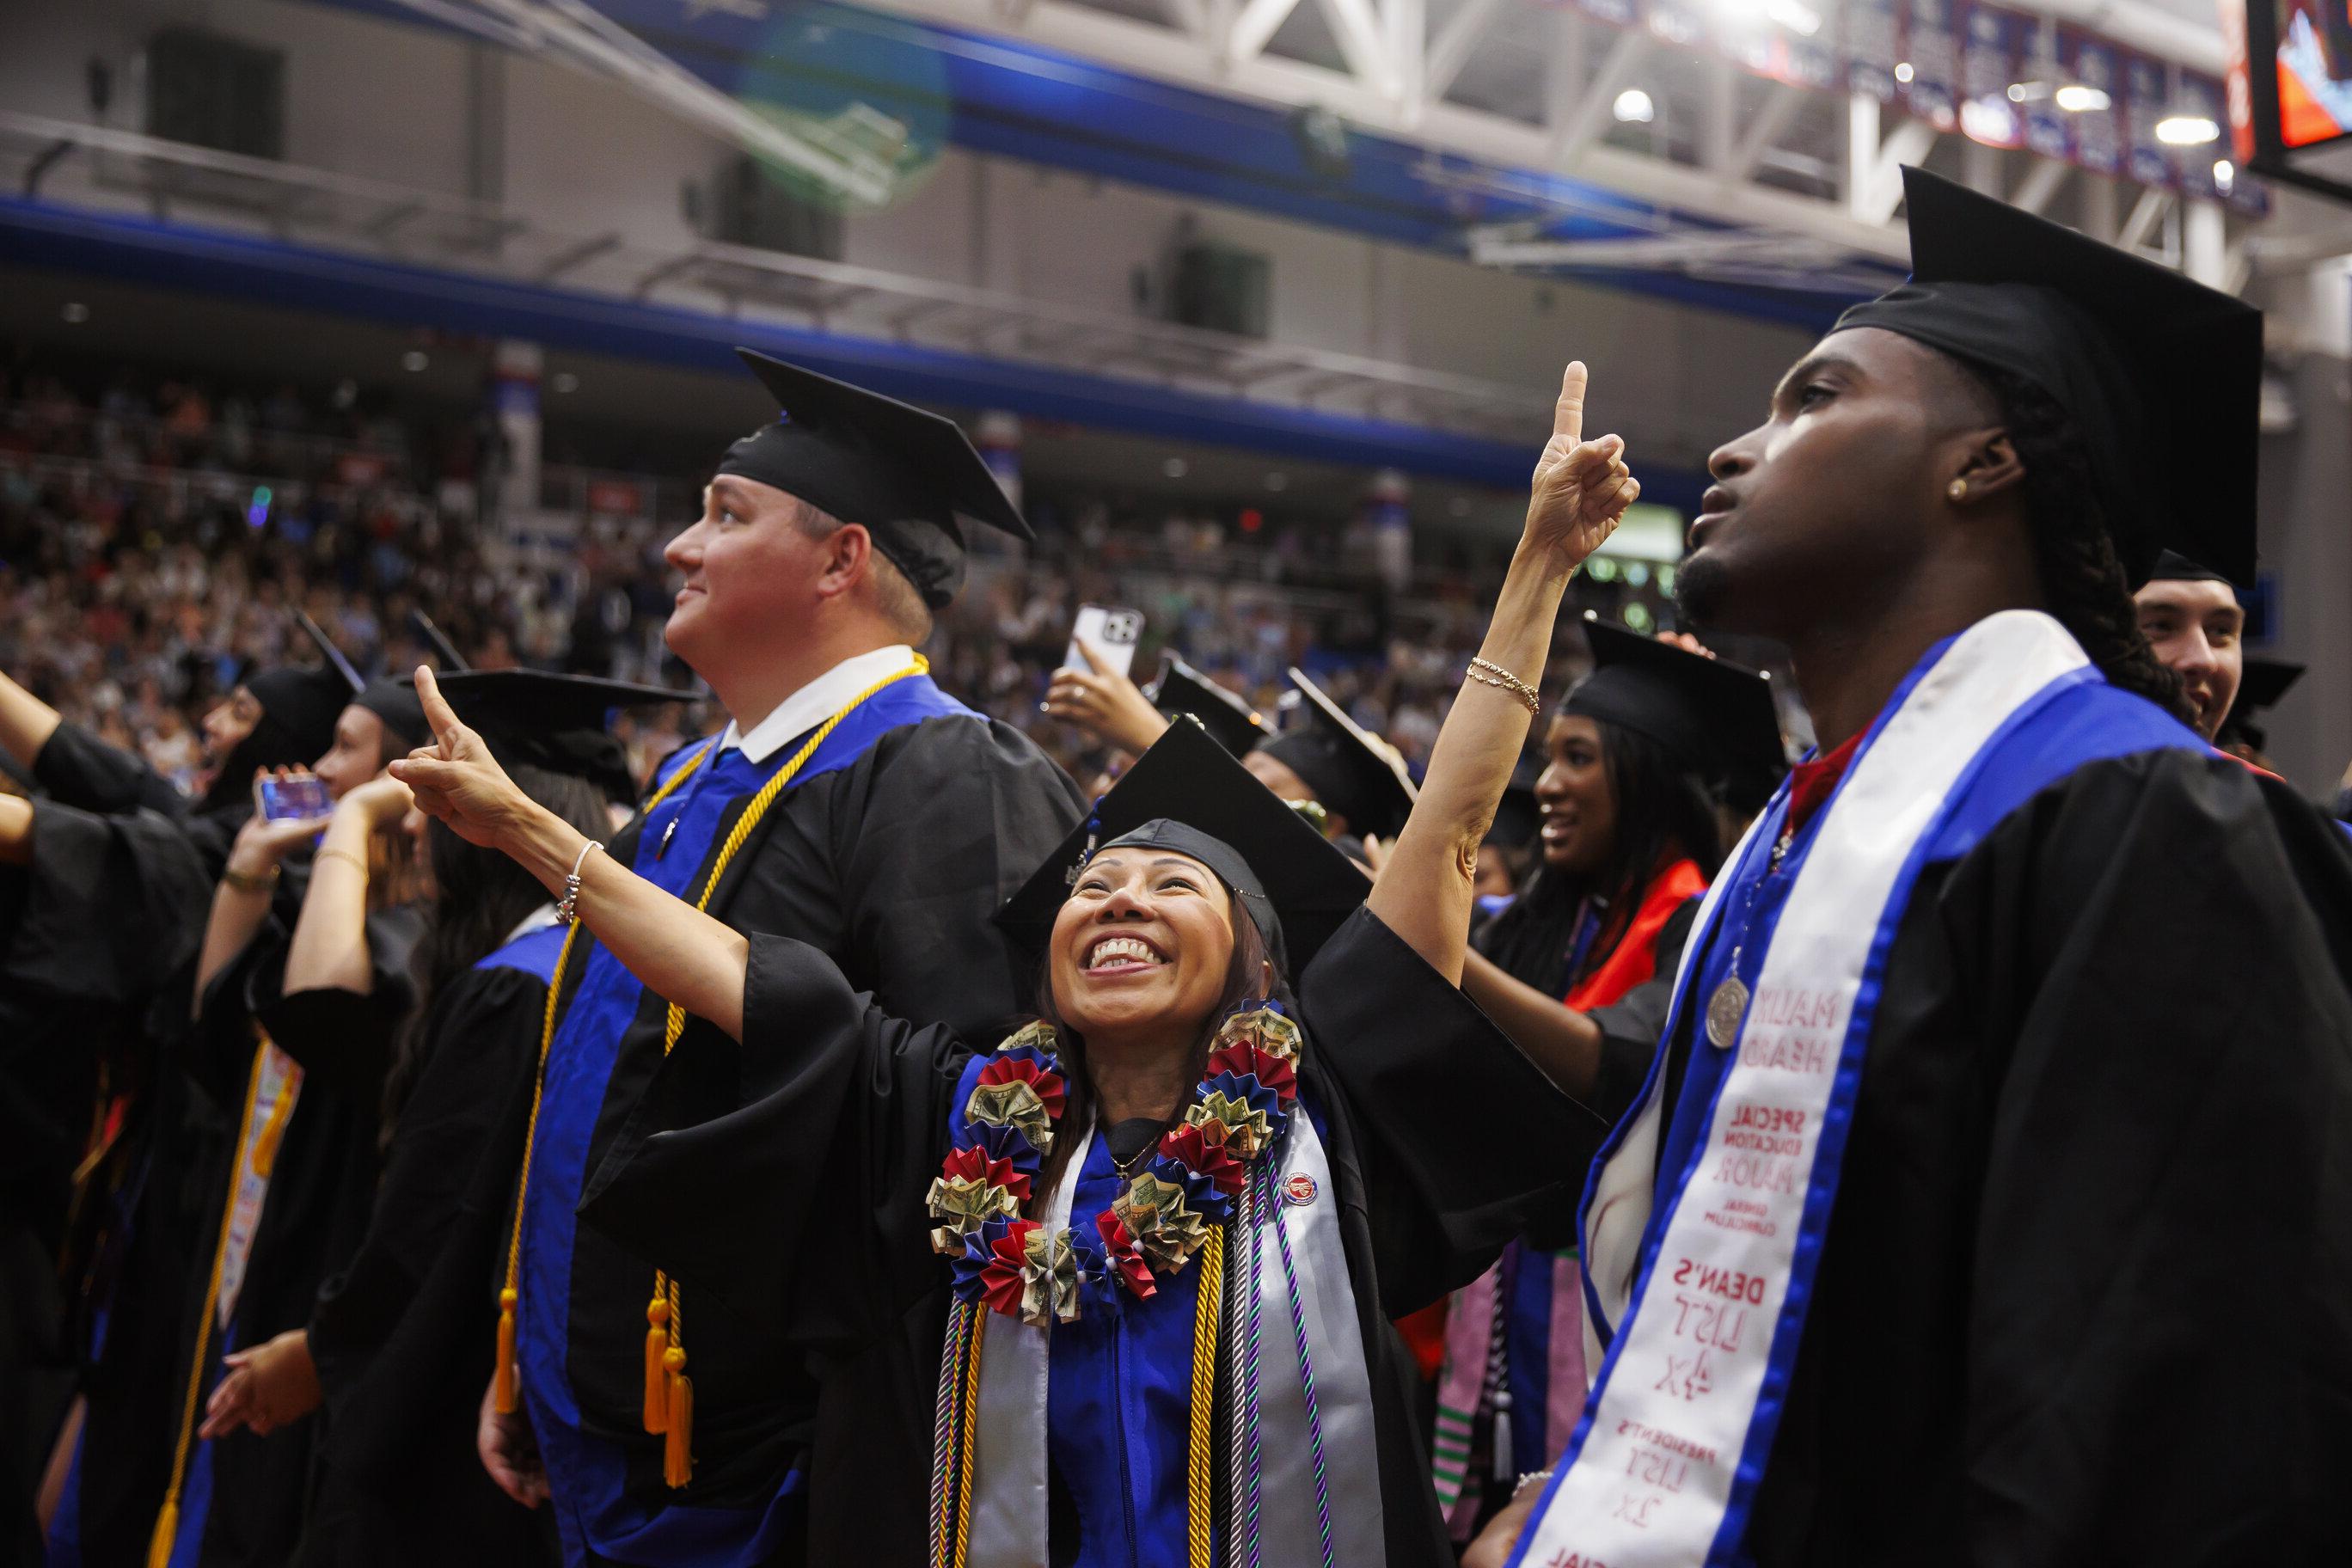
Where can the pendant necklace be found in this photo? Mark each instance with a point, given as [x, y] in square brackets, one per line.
[1727, 1007]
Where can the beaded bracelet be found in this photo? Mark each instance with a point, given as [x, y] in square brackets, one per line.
[1488, 673]
[567, 908]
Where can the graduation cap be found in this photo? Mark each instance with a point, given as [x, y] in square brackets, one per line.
[2162, 376]
[1713, 717]
[452, 661]
[353, 684]
[1517, 816]
[909, 476]
[2262, 683]
[1339, 759]
[1183, 690]
[2171, 566]
[1194, 798]
[543, 719]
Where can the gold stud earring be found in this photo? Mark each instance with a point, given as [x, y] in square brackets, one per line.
[1958, 489]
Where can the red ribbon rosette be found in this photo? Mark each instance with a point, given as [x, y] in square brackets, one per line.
[1247, 1060]
[1123, 1255]
[1019, 1067]
[1001, 1281]
[971, 1163]
[1191, 1147]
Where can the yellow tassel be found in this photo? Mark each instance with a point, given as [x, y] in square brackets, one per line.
[167, 1531]
[656, 1346]
[509, 1395]
[265, 1146]
[678, 1447]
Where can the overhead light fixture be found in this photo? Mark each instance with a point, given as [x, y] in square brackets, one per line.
[2225, 174]
[2187, 130]
[1795, 15]
[2076, 98]
[2029, 92]
[413, 360]
[1174, 468]
[1633, 107]
[1903, 72]
[75, 312]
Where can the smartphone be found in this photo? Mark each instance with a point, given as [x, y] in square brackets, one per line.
[1112, 634]
[301, 797]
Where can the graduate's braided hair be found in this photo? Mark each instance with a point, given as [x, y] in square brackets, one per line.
[2083, 579]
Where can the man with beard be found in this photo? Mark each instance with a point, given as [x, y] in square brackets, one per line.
[1984, 1204]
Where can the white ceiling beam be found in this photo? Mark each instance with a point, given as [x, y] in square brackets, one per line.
[2146, 214]
[1255, 27]
[1186, 15]
[1151, 50]
[1404, 33]
[1451, 49]
[1591, 116]
[1357, 32]
[1771, 121]
[1875, 169]
[2041, 183]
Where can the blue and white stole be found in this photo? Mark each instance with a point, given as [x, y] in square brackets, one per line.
[1708, 1288]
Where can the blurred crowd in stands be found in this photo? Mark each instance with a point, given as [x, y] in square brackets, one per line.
[154, 531]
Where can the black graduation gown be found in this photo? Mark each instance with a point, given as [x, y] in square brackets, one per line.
[804, 1211]
[99, 936]
[255, 1493]
[77, 767]
[890, 865]
[2087, 1295]
[403, 1336]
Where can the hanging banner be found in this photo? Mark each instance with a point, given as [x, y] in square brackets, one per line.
[2148, 98]
[2095, 63]
[1989, 61]
[1932, 45]
[1874, 45]
[2049, 130]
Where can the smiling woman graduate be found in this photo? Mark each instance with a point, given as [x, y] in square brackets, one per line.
[1118, 1289]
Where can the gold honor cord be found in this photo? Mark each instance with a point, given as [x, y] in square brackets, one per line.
[167, 1518]
[669, 1392]
[1201, 1448]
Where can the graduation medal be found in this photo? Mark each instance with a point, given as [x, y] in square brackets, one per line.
[1725, 1009]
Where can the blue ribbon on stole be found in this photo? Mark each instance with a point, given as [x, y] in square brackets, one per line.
[1652, 1475]
[587, 1473]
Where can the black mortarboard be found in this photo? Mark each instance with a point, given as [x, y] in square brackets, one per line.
[443, 648]
[554, 721]
[1517, 816]
[353, 684]
[396, 706]
[1235, 725]
[2171, 566]
[906, 475]
[1335, 757]
[2161, 374]
[1713, 717]
[1189, 794]
[2259, 685]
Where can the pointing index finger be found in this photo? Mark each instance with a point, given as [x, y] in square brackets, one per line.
[1568, 414]
[438, 715]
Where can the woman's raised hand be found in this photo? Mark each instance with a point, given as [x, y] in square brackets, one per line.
[1101, 699]
[456, 779]
[1581, 488]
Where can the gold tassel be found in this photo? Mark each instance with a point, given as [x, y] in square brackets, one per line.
[678, 1447]
[265, 1146]
[656, 1349]
[167, 1531]
[508, 1397]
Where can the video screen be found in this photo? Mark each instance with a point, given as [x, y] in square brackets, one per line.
[2314, 70]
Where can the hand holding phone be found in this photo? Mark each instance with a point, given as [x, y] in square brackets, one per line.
[1111, 634]
[290, 797]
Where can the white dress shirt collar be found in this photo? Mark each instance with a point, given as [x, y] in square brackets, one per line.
[815, 703]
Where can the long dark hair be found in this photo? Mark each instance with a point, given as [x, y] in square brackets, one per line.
[2083, 579]
[1243, 983]
[1661, 809]
[478, 896]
